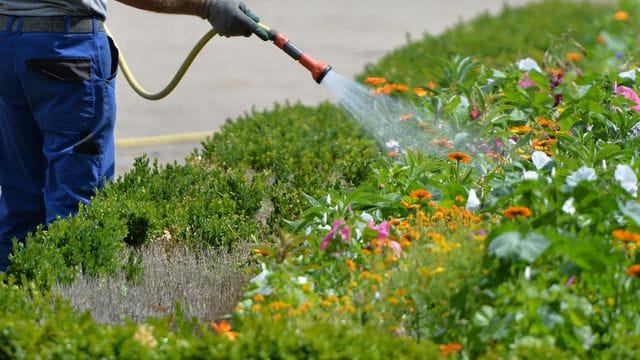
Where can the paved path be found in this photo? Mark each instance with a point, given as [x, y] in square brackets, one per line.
[232, 76]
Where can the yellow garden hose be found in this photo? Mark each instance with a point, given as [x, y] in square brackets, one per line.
[184, 67]
[176, 78]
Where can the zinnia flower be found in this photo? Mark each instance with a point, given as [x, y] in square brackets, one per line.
[421, 194]
[446, 349]
[224, 328]
[375, 81]
[516, 211]
[574, 56]
[633, 270]
[459, 157]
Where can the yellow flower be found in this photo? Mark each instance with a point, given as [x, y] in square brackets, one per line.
[258, 298]
[393, 300]
[520, 130]
[145, 337]
[621, 16]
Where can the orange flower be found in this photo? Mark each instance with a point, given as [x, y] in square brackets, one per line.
[445, 143]
[601, 39]
[574, 56]
[420, 92]
[520, 130]
[432, 85]
[421, 194]
[375, 81]
[350, 265]
[406, 117]
[621, 16]
[633, 270]
[393, 154]
[459, 156]
[625, 235]
[224, 328]
[516, 211]
[409, 206]
[446, 349]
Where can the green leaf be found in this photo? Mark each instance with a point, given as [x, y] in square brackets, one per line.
[512, 246]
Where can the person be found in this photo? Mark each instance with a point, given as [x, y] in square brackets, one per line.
[57, 102]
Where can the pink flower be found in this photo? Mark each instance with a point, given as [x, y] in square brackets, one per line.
[629, 94]
[526, 82]
[382, 229]
[338, 225]
[395, 246]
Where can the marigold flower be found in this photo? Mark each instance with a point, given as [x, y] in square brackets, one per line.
[420, 92]
[574, 56]
[446, 349]
[277, 305]
[421, 194]
[520, 130]
[224, 328]
[350, 265]
[375, 81]
[409, 206]
[516, 211]
[258, 298]
[633, 270]
[459, 156]
[621, 15]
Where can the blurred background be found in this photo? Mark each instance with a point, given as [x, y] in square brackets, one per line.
[233, 76]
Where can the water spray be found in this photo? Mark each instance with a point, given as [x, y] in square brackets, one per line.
[317, 68]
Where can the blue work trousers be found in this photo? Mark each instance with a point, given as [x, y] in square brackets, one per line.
[57, 116]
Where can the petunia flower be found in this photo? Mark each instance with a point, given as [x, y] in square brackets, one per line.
[528, 64]
[627, 179]
[526, 81]
[540, 159]
[629, 94]
[382, 229]
[338, 225]
[473, 203]
[568, 207]
[582, 174]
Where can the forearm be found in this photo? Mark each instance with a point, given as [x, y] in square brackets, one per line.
[186, 7]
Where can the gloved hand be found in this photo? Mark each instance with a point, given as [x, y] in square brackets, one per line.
[229, 17]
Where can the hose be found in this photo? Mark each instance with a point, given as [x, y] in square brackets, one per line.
[186, 63]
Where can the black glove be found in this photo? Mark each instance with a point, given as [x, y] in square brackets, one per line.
[229, 17]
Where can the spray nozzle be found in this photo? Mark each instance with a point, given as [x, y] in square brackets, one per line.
[318, 69]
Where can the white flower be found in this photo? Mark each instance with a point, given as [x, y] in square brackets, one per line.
[392, 144]
[631, 74]
[540, 159]
[627, 179]
[528, 64]
[568, 207]
[530, 175]
[473, 203]
[527, 273]
[583, 174]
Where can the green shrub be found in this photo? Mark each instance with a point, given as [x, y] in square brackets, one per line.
[302, 149]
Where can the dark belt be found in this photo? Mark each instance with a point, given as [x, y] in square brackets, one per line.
[50, 24]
